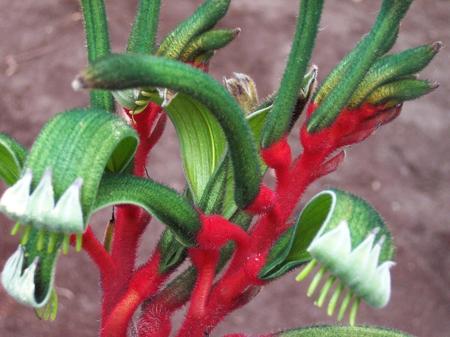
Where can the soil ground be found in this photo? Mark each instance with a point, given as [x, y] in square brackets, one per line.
[403, 170]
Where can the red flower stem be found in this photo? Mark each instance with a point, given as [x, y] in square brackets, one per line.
[205, 262]
[131, 221]
[157, 132]
[143, 124]
[143, 284]
[96, 252]
[155, 320]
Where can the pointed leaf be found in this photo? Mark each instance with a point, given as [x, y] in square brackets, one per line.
[12, 157]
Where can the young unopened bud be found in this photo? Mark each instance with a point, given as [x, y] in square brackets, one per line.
[207, 42]
[399, 91]
[243, 88]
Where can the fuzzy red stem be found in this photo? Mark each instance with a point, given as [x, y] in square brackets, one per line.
[205, 261]
[131, 221]
[143, 284]
[96, 252]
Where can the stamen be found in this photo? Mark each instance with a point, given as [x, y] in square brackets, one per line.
[15, 229]
[344, 305]
[141, 102]
[354, 311]
[40, 240]
[79, 242]
[306, 271]
[26, 235]
[334, 299]
[52, 239]
[146, 93]
[326, 288]
[315, 282]
[66, 244]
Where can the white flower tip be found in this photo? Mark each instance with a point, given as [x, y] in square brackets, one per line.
[334, 244]
[381, 241]
[78, 183]
[14, 201]
[42, 200]
[375, 231]
[78, 84]
[67, 214]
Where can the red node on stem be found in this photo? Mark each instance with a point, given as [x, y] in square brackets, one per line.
[263, 202]
[277, 155]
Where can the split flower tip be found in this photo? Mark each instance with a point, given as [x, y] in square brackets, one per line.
[19, 282]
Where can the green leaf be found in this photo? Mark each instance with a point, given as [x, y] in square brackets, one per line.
[12, 157]
[341, 331]
[49, 311]
[202, 142]
[173, 253]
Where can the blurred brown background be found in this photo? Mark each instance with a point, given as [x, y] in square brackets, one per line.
[403, 170]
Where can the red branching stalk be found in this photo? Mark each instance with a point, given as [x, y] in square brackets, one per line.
[292, 180]
[125, 288]
[206, 262]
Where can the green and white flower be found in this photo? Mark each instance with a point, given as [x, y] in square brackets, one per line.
[354, 247]
[347, 242]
